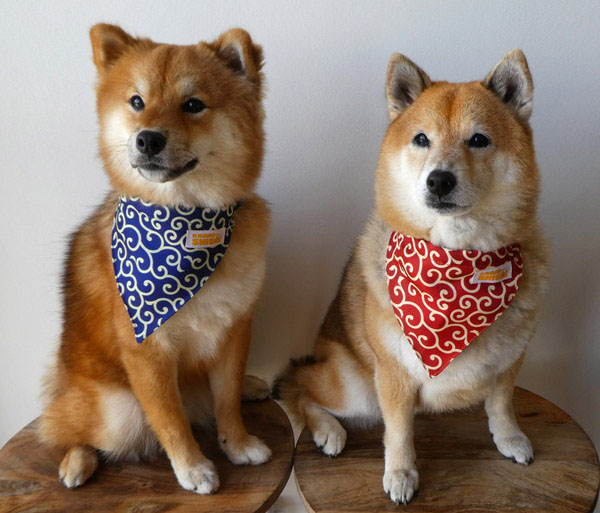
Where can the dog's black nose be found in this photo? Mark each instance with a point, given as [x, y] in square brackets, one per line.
[150, 143]
[441, 183]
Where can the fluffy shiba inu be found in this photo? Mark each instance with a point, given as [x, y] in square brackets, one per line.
[181, 130]
[456, 172]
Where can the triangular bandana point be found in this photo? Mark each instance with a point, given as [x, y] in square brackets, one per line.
[443, 298]
[162, 256]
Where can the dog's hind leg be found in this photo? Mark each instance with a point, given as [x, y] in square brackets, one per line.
[78, 465]
[328, 433]
[68, 422]
[314, 389]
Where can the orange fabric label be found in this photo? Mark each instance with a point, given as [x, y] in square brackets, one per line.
[493, 274]
[204, 238]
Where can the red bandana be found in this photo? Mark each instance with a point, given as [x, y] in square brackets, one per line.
[444, 299]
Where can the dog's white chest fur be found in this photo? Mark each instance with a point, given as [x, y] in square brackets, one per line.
[204, 321]
[476, 368]
[198, 328]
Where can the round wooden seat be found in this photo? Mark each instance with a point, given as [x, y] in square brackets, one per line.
[459, 467]
[29, 475]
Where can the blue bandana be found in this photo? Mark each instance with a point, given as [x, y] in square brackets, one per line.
[162, 256]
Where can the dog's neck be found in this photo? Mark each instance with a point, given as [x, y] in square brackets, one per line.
[173, 195]
[470, 232]
[485, 228]
[210, 188]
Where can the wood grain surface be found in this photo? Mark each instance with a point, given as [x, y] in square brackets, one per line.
[460, 469]
[29, 476]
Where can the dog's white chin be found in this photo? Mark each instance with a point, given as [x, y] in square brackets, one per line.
[450, 212]
[155, 176]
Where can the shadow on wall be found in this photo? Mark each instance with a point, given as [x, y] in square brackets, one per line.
[556, 365]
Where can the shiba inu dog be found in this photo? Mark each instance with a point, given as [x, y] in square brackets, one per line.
[181, 127]
[456, 172]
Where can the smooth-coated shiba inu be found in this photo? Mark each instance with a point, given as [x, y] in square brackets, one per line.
[456, 172]
[181, 128]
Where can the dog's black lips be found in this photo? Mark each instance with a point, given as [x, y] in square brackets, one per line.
[171, 173]
[150, 166]
[442, 205]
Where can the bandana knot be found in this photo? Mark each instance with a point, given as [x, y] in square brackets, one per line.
[162, 256]
[443, 298]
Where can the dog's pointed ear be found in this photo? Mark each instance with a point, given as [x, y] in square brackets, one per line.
[405, 81]
[109, 42]
[237, 51]
[511, 81]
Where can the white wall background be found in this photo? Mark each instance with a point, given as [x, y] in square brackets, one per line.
[325, 65]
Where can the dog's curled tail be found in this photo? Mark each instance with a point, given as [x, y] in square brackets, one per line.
[290, 389]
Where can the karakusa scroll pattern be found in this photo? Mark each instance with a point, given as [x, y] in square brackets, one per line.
[156, 273]
[439, 308]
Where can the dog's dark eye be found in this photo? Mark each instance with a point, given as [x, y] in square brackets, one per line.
[421, 140]
[193, 106]
[136, 102]
[479, 141]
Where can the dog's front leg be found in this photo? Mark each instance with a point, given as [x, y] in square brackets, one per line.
[508, 437]
[397, 396]
[153, 377]
[226, 377]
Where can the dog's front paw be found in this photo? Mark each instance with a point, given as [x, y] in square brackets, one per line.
[517, 448]
[401, 485]
[199, 478]
[254, 389]
[330, 436]
[251, 451]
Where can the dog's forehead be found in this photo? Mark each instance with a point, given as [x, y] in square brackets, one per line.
[178, 70]
[448, 106]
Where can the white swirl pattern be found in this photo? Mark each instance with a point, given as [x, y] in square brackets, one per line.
[437, 301]
[156, 273]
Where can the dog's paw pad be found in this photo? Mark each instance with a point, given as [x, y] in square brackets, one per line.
[401, 485]
[254, 389]
[330, 438]
[517, 448]
[252, 451]
[200, 478]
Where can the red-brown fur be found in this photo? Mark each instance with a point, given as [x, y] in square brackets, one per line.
[363, 366]
[99, 359]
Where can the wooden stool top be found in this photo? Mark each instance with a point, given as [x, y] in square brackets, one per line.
[459, 467]
[29, 475]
